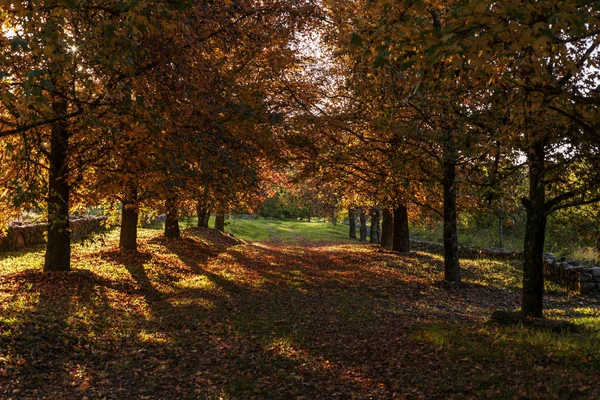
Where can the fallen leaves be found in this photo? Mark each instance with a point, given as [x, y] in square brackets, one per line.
[208, 316]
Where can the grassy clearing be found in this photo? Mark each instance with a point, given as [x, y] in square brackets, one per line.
[277, 230]
[287, 231]
[207, 316]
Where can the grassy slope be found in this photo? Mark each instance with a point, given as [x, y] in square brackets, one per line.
[208, 317]
[257, 230]
[283, 230]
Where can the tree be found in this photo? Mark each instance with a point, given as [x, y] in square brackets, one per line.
[220, 221]
[375, 231]
[400, 239]
[387, 228]
[352, 223]
[537, 58]
[63, 67]
[546, 56]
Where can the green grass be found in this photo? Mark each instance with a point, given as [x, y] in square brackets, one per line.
[488, 238]
[287, 231]
[283, 230]
[250, 230]
[469, 237]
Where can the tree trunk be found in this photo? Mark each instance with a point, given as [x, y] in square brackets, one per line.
[352, 222]
[401, 232]
[202, 213]
[501, 231]
[535, 230]
[58, 248]
[375, 234]
[333, 217]
[220, 221]
[172, 219]
[387, 229]
[129, 218]
[363, 225]
[451, 261]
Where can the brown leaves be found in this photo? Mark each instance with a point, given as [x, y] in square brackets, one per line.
[206, 316]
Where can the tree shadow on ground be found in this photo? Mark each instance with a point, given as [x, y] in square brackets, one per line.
[327, 315]
[272, 321]
[47, 351]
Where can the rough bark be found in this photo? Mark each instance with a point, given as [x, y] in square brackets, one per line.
[333, 217]
[220, 221]
[387, 229]
[401, 240]
[58, 248]
[451, 260]
[375, 233]
[535, 229]
[203, 215]
[363, 225]
[352, 222]
[172, 219]
[129, 218]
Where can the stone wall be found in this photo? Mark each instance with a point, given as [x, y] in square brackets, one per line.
[572, 275]
[20, 235]
[466, 252]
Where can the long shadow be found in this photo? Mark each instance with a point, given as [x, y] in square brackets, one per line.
[45, 346]
[185, 249]
[272, 321]
[262, 316]
[179, 335]
[134, 264]
[392, 361]
[342, 325]
[199, 341]
[166, 316]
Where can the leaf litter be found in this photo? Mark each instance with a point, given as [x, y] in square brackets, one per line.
[211, 316]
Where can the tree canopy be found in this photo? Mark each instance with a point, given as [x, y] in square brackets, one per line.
[411, 108]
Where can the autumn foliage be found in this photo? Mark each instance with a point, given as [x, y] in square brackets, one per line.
[360, 110]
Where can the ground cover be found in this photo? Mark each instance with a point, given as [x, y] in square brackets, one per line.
[262, 229]
[287, 231]
[211, 316]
